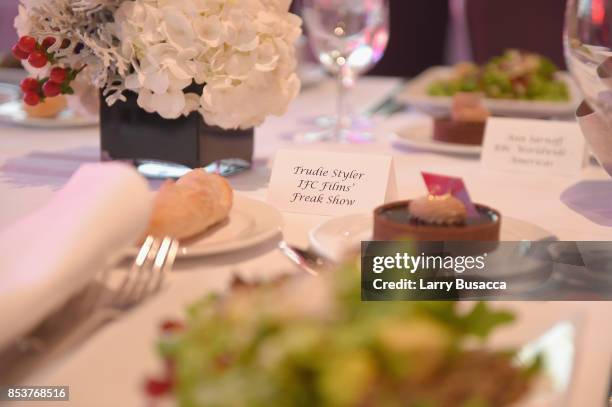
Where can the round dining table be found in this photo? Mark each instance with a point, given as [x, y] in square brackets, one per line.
[109, 368]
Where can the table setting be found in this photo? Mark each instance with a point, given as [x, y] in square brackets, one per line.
[193, 195]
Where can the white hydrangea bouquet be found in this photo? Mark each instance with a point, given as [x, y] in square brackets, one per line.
[241, 51]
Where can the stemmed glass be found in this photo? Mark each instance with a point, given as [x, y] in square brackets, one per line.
[588, 51]
[349, 37]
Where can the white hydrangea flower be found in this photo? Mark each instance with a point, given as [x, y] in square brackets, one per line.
[239, 50]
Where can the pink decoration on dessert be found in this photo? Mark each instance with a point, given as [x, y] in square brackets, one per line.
[442, 184]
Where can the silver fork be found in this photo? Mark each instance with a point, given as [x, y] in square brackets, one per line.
[89, 310]
[154, 259]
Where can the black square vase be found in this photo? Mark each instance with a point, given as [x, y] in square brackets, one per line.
[129, 133]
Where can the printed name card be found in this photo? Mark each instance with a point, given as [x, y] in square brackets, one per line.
[334, 184]
[538, 146]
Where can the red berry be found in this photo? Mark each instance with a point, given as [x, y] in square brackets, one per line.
[51, 89]
[37, 59]
[47, 42]
[170, 326]
[27, 43]
[31, 98]
[30, 85]
[18, 53]
[156, 387]
[58, 75]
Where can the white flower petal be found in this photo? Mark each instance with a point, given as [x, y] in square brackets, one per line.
[157, 81]
[177, 27]
[169, 105]
[144, 100]
[209, 30]
[134, 81]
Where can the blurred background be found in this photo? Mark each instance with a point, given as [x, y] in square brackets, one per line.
[432, 32]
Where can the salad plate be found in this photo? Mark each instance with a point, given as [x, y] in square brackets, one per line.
[135, 338]
[416, 94]
[319, 327]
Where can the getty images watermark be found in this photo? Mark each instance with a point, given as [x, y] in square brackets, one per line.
[543, 270]
[34, 393]
[412, 264]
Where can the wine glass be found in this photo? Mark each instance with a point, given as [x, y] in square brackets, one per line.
[348, 37]
[588, 51]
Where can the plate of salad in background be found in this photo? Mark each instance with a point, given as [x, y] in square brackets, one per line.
[517, 83]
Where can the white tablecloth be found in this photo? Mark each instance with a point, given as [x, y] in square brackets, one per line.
[33, 163]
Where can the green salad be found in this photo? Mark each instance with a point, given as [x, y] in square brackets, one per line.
[312, 342]
[514, 75]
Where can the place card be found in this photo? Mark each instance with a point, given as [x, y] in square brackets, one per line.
[324, 183]
[537, 146]
[438, 184]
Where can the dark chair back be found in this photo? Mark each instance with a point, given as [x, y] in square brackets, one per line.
[418, 37]
[532, 25]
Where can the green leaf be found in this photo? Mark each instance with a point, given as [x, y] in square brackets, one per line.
[482, 320]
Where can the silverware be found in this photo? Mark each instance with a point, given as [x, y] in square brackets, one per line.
[307, 260]
[155, 258]
[163, 170]
[90, 309]
[389, 105]
[228, 167]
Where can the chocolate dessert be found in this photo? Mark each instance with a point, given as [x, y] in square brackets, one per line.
[435, 218]
[466, 125]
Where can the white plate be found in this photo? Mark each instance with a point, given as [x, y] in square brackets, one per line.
[12, 112]
[416, 95]
[421, 136]
[124, 353]
[250, 222]
[335, 237]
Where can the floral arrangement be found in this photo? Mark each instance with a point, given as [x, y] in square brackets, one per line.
[241, 51]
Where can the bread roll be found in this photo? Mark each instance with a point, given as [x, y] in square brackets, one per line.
[191, 205]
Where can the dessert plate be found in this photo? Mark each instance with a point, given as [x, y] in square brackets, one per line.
[421, 136]
[11, 112]
[335, 237]
[250, 222]
[416, 95]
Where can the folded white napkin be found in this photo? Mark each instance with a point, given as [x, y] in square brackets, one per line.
[52, 253]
